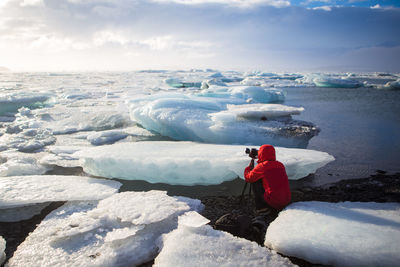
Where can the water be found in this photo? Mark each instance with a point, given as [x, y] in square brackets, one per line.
[360, 127]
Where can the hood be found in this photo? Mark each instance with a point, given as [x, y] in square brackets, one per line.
[266, 153]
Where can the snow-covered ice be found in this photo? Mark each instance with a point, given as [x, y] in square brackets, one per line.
[339, 234]
[118, 231]
[196, 244]
[16, 191]
[188, 163]
[2, 249]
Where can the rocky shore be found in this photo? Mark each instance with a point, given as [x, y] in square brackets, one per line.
[238, 216]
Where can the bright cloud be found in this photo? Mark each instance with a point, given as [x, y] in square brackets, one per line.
[125, 35]
[241, 3]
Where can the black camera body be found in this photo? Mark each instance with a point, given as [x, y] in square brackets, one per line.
[253, 153]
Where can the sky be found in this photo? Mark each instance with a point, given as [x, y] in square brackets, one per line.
[269, 35]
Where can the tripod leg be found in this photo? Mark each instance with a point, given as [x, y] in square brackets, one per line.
[244, 189]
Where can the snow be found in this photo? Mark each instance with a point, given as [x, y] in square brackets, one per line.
[104, 233]
[188, 163]
[16, 191]
[339, 234]
[196, 244]
[2, 249]
[196, 118]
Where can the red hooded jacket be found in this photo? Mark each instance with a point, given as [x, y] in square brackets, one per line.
[274, 178]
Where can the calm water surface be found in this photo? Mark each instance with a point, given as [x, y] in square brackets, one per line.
[359, 127]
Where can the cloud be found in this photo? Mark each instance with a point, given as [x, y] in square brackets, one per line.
[240, 3]
[325, 8]
[125, 34]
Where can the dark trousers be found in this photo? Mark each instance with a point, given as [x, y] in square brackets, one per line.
[258, 191]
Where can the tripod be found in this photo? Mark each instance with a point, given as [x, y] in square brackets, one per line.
[245, 184]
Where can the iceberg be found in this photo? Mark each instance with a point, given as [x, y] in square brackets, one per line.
[188, 163]
[244, 94]
[255, 112]
[11, 102]
[338, 234]
[176, 83]
[394, 85]
[195, 118]
[2, 249]
[196, 244]
[325, 81]
[120, 230]
[16, 191]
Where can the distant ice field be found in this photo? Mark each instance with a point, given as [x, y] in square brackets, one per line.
[351, 116]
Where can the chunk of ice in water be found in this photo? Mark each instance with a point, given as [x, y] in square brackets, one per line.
[11, 102]
[339, 234]
[17, 163]
[188, 163]
[182, 117]
[118, 231]
[18, 191]
[204, 246]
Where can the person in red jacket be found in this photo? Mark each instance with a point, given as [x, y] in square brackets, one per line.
[269, 178]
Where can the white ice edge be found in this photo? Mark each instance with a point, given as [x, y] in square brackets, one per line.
[188, 163]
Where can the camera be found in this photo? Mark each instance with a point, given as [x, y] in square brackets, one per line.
[253, 153]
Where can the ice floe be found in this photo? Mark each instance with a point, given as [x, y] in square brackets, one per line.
[11, 102]
[17, 163]
[394, 85]
[339, 234]
[16, 191]
[188, 163]
[196, 244]
[61, 156]
[176, 83]
[194, 118]
[118, 231]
